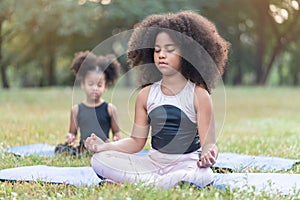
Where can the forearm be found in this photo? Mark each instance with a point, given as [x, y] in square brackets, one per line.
[206, 148]
[126, 145]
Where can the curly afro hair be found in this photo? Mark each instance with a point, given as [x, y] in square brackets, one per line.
[203, 51]
[86, 61]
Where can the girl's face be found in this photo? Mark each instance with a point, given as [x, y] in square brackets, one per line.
[166, 55]
[94, 85]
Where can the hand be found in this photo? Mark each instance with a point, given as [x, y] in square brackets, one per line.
[93, 143]
[117, 136]
[70, 139]
[208, 157]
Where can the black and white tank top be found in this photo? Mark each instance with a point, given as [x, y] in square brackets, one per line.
[173, 120]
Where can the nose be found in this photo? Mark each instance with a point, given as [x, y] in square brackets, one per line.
[95, 87]
[162, 54]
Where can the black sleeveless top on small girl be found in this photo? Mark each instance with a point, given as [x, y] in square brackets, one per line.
[93, 120]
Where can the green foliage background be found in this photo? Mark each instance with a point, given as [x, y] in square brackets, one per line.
[39, 38]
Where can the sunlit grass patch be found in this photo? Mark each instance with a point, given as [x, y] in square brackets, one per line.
[259, 121]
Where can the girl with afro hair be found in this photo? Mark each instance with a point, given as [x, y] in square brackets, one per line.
[94, 115]
[180, 56]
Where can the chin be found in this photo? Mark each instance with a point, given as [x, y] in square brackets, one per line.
[95, 98]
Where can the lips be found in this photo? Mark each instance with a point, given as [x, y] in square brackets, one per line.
[162, 64]
[94, 94]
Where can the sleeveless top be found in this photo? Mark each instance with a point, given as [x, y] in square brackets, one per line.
[173, 120]
[93, 120]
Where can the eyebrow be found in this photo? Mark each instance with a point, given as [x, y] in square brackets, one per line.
[167, 45]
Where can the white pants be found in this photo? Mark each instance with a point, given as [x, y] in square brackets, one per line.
[158, 169]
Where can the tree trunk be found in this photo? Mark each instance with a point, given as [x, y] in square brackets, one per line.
[260, 56]
[261, 38]
[280, 76]
[294, 69]
[295, 79]
[275, 53]
[4, 78]
[51, 68]
[237, 79]
[2, 65]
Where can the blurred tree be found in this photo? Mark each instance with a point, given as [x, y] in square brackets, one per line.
[260, 31]
[236, 26]
[37, 36]
[294, 64]
[278, 19]
[46, 27]
[6, 11]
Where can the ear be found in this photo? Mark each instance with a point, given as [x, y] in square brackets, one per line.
[82, 84]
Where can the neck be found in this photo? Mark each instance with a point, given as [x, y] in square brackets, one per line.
[174, 80]
[172, 85]
[92, 102]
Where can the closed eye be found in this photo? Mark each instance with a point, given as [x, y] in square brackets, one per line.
[169, 48]
[157, 49]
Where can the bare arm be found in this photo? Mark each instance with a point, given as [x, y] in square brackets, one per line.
[112, 110]
[71, 135]
[206, 127]
[139, 133]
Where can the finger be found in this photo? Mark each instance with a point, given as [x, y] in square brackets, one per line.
[203, 161]
[213, 152]
[212, 160]
[213, 156]
[87, 143]
[95, 147]
[200, 164]
[207, 162]
[203, 156]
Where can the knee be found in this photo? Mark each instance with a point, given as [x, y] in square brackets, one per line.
[97, 163]
[207, 176]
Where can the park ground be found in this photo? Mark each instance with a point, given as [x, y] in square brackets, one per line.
[249, 120]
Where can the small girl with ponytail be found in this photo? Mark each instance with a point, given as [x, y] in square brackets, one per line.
[94, 115]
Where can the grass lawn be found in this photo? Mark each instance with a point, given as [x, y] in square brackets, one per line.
[252, 120]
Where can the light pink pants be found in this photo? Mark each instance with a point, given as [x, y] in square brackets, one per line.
[158, 169]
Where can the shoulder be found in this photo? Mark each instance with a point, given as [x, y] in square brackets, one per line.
[142, 96]
[111, 108]
[144, 92]
[74, 109]
[200, 91]
[202, 97]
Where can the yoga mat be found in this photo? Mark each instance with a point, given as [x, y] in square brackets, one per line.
[285, 184]
[263, 163]
[80, 176]
[225, 160]
[77, 176]
[44, 150]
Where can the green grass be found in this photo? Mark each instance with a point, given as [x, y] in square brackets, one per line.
[259, 121]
